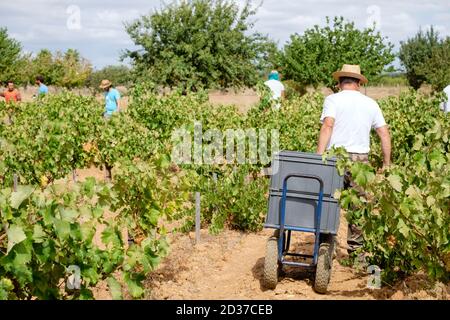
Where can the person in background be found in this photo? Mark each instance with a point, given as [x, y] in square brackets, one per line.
[112, 98]
[348, 118]
[276, 87]
[446, 104]
[11, 94]
[43, 89]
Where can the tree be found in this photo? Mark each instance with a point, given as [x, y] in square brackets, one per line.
[75, 69]
[311, 58]
[68, 70]
[118, 75]
[44, 64]
[415, 52]
[193, 44]
[10, 56]
[436, 69]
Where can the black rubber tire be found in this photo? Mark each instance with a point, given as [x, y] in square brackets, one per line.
[271, 266]
[323, 269]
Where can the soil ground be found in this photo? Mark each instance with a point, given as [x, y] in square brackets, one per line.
[230, 267]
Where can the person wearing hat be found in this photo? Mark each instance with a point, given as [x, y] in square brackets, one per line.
[276, 87]
[112, 98]
[347, 120]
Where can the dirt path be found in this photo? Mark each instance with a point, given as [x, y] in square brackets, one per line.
[230, 266]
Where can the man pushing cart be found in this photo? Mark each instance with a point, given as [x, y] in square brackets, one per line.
[303, 186]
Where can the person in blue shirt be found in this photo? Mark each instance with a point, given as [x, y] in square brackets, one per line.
[112, 98]
[43, 89]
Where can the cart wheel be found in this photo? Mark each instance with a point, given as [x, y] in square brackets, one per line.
[271, 266]
[323, 269]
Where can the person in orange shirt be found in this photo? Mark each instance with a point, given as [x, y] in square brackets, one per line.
[11, 94]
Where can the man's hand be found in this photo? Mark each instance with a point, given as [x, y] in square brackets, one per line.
[325, 135]
[386, 146]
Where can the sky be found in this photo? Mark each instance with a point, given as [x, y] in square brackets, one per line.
[96, 28]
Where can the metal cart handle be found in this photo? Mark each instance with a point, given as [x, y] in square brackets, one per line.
[318, 214]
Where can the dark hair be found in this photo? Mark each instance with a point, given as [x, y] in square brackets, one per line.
[40, 78]
[348, 80]
[10, 81]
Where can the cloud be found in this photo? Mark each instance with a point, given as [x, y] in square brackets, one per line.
[44, 23]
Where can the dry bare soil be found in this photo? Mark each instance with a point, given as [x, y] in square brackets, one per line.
[230, 267]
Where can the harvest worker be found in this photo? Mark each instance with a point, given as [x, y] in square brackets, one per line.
[43, 89]
[11, 94]
[347, 120]
[112, 98]
[276, 87]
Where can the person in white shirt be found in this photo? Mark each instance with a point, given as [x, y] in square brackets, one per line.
[276, 87]
[347, 120]
[446, 104]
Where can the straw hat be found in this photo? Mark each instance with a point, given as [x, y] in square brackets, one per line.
[105, 84]
[351, 71]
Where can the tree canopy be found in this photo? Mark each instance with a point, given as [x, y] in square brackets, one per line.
[199, 44]
[311, 58]
[118, 75]
[65, 69]
[426, 58]
[10, 56]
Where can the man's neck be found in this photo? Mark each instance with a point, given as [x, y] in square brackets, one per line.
[350, 88]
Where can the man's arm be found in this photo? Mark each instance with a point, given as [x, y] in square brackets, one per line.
[19, 97]
[325, 135]
[2, 94]
[386, 146]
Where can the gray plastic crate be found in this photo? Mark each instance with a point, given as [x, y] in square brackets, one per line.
[302, 198]
[306, 163]
[300, 212]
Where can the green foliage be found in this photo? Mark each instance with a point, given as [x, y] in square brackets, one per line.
[46, 138]
[10, 56]
[198, 44]
[404, 210]
[236, 200]
[45, 233]
[44, 64]
[436, 68]
[425, 58]
[118, 75]
[311, 58]
[390, 80]
[51, 137]
[67, 70]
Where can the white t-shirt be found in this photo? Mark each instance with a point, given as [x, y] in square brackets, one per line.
[355, 116]
[447, 104]
[276, 87]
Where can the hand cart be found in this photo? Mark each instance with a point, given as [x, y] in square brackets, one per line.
[302, 200]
